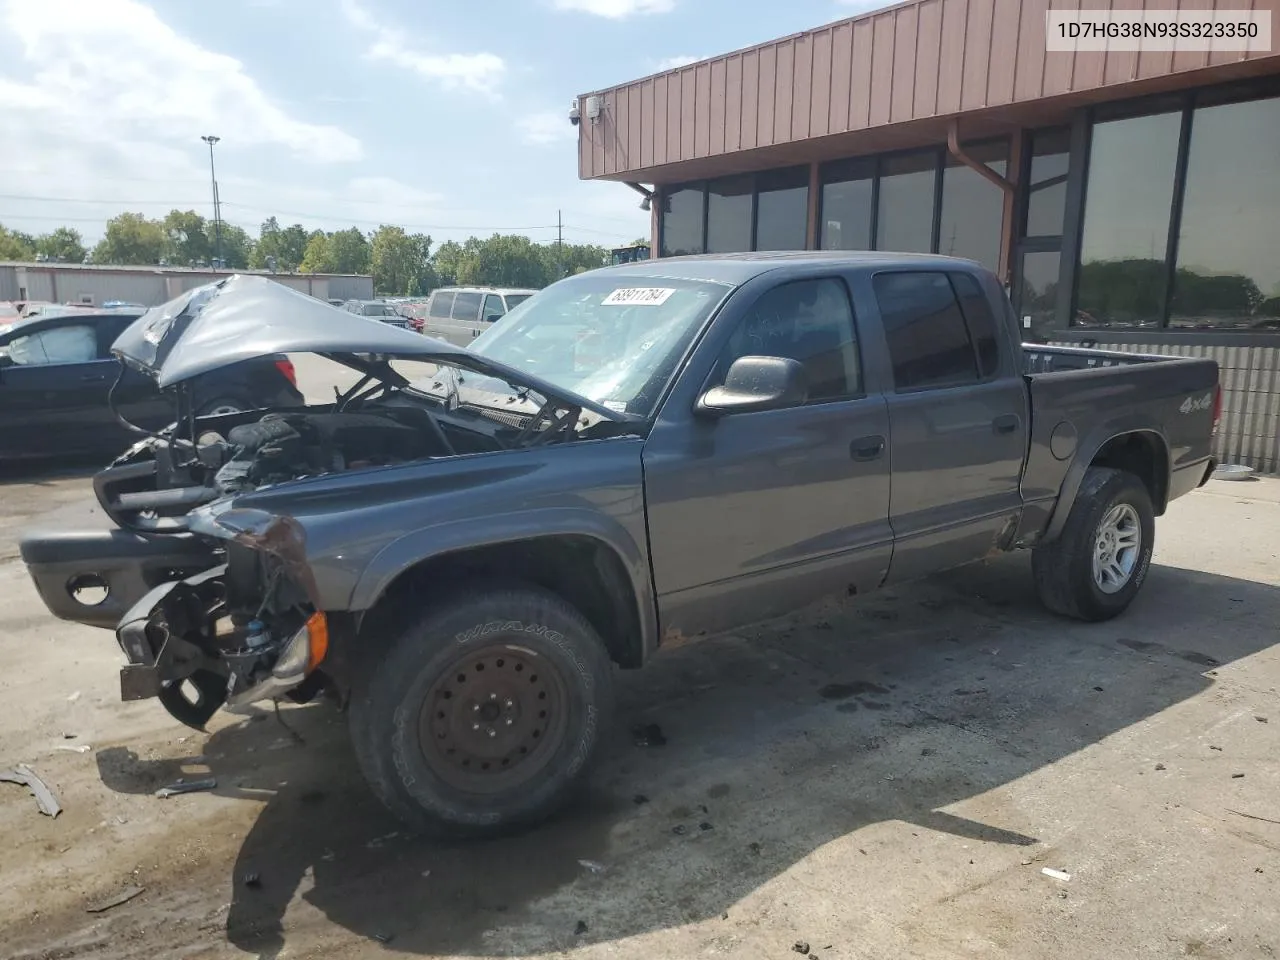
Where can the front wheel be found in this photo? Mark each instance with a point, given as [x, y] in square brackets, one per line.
[1097, 565]
[485, 713]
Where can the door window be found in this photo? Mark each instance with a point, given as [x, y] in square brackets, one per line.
[493, 308]
[809, 321]
[929, 343]
[466, 306]
[78, 344]
[441, 304]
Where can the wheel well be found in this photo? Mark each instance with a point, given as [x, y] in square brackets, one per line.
[1145, 456]
[581, 570]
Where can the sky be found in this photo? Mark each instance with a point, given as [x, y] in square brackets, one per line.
[442, 116]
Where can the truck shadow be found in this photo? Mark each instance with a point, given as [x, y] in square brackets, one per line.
[777, 742]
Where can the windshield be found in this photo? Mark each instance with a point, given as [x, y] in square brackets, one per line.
[612, 340]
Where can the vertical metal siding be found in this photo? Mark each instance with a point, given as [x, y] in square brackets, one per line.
[924, 59]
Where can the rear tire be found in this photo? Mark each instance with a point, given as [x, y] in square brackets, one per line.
[484, 714]
[1095, 568]
[221, 407]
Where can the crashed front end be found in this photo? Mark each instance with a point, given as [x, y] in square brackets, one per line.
[249, 629]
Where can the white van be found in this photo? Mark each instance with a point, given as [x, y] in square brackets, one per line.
[460, 314]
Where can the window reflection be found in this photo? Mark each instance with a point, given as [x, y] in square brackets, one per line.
[973, 206]
[729, 214]
[1047, 187]
[782, 209]
[1228, 270]
[1126, 221]
[1038, 294]
[847, 197]
[905, 217]
[682, 221]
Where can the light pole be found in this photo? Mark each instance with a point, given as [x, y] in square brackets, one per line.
[217, 211]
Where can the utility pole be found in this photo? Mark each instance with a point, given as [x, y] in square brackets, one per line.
[217, 208]
[559, 245]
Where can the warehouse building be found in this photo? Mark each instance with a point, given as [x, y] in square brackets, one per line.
[149, 286]
[1127, 199]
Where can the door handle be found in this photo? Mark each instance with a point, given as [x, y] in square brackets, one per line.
[1006, 424]
[866, 448]
[92, 378]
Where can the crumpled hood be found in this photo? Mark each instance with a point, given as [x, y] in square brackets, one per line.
[244, 317]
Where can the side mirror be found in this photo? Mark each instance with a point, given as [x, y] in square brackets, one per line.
[757, 383]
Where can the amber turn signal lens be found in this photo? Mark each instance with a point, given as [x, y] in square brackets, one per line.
[317, 640]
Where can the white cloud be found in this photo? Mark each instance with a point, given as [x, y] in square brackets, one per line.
[546, 126]
[671, 63]
[481, 72]
[616, 9]
[114, 72]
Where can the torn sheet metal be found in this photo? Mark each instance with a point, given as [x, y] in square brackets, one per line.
[25, 776]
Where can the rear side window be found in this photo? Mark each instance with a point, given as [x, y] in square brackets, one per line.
[466, 306]
[493, 308]
[981, 321]
[441, 304]
[929, 343]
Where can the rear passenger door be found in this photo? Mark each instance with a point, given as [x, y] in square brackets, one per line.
[438, 310]
[957, 420]
[494, 309]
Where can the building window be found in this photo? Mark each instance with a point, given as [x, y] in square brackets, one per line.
[1047, 185]
[848, 198]
[729, 213]
[1038, 297]
[973, 206]
[1128, 200]
[904, 214]
[929, 343]
[1228, 270]
[682, 210]
[782, 209]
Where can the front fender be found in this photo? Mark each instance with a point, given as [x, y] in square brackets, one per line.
[451, 537]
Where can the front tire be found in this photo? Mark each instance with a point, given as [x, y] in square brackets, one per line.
[1097, 565]
[485, 713]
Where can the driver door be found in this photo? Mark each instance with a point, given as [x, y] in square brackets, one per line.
[755, 514]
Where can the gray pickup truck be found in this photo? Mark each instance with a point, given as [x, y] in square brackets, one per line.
[461, 548]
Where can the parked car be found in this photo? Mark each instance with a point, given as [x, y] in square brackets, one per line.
[460, 314]
[638, 456]
[61, 391]
[376, 309]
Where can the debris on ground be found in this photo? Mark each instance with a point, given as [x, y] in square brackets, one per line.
[186, 786]
[754, 848]
[252, 879]
[124, 896]
[1261, 719]
[1237, 776]
[382, 937]
[580, 928]
[679, 829]
[68, 748]
[705, 825]
[594, 866]
[648, 735]
[1161, 766]
[1056, 874]
[1254, 816]
[800, 946]
[73, 697]
[26, 777]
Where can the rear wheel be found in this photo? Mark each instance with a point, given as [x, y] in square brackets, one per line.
[485, 713]
[222, 406]
[1097, 565]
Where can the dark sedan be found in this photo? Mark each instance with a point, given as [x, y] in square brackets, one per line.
[57, 372]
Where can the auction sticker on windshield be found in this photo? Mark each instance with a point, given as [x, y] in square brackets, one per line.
[638, 297]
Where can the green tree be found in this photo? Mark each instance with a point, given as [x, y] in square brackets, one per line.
[186, 238]
[400, 262]
[237, 245]
[288, 245]
[504, 260]
[131, 238]
[447, 261]
[318, 255]
[63, 244]
[570, 258]
[350, 251]
[15, 245]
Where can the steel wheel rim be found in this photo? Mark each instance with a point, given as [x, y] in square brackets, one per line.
[494, 719]
[1116, 547]
[222, 409]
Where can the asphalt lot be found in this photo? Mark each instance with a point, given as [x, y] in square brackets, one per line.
[883, 778]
